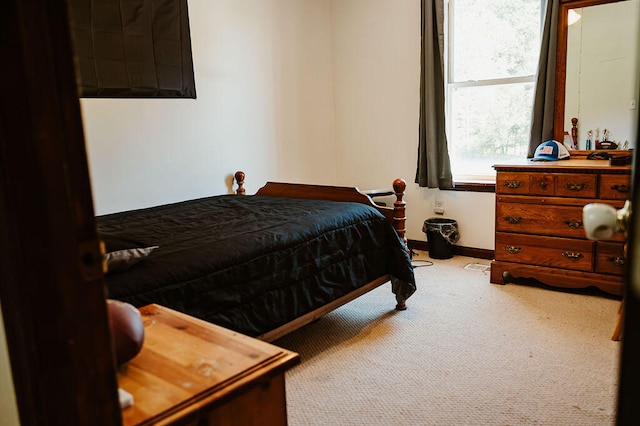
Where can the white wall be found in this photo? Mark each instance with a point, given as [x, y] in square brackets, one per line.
[264, 105]
[376, 66]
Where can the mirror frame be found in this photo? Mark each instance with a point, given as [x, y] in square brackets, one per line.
[561, 60]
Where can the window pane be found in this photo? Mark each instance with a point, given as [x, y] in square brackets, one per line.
[488, 125]
[494, 39]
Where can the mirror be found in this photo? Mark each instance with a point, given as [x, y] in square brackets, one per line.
[597, 71]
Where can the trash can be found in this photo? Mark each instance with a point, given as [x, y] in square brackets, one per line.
[442, 234]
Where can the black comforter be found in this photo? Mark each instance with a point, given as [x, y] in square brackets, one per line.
[252, 263]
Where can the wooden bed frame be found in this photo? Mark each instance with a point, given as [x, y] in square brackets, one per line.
[395, 215]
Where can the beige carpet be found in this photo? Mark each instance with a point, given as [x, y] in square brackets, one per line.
[466, 352]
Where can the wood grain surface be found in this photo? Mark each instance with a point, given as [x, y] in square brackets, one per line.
[189, 370]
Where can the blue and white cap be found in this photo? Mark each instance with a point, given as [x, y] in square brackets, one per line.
[550, 151]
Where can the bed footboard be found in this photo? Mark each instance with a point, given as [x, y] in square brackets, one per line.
[396, 215]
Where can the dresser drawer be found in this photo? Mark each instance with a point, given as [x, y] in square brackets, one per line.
[545, 251]
[561, 221]
[542, 184]
[610, 258]
[512, 183]
[615, 187]
[576, 185]
[550, 184]
[526, 183]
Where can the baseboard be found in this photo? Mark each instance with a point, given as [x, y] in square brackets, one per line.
[462, 251]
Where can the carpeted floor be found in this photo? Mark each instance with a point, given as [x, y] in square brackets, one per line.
[466, 352]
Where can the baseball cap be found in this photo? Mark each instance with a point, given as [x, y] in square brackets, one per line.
[550, 151]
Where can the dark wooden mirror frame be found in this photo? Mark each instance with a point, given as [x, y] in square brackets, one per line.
[561, 60]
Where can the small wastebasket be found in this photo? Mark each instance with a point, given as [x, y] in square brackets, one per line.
[442, 234]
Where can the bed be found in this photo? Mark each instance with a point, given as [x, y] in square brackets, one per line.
[262, 265]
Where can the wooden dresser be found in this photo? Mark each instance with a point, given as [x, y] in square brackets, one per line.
[539, 229]
[190, 372]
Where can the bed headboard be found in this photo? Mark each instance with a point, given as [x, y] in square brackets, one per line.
[396, 215]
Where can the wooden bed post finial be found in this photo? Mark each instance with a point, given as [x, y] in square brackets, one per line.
[399, 208]
[399, 223]
[239, 177]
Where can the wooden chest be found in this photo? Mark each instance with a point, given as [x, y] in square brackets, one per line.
[190, 372]
[539, 229]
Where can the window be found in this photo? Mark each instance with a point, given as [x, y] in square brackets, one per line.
[492, 49]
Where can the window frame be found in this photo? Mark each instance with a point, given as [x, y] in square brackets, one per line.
[476, 183]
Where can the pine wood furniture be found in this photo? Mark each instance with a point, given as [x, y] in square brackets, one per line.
[192, 372]
[539, 231]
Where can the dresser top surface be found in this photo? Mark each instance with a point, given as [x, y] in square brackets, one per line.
[185, 362]
[566, 166]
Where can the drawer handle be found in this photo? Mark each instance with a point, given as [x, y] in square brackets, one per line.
[572, 256]
[573, 224]
[513, 249]
[513, 219]
[575, 186]
[513, 184]
[543, 184]
[621, 188]
[617, 260]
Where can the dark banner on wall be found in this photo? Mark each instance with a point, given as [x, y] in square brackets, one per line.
[132, 48]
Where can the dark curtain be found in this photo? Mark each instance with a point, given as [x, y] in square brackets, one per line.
[544, 100]
[434, 167]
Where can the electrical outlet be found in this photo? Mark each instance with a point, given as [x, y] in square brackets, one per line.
[632, 104]
[439, 207]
